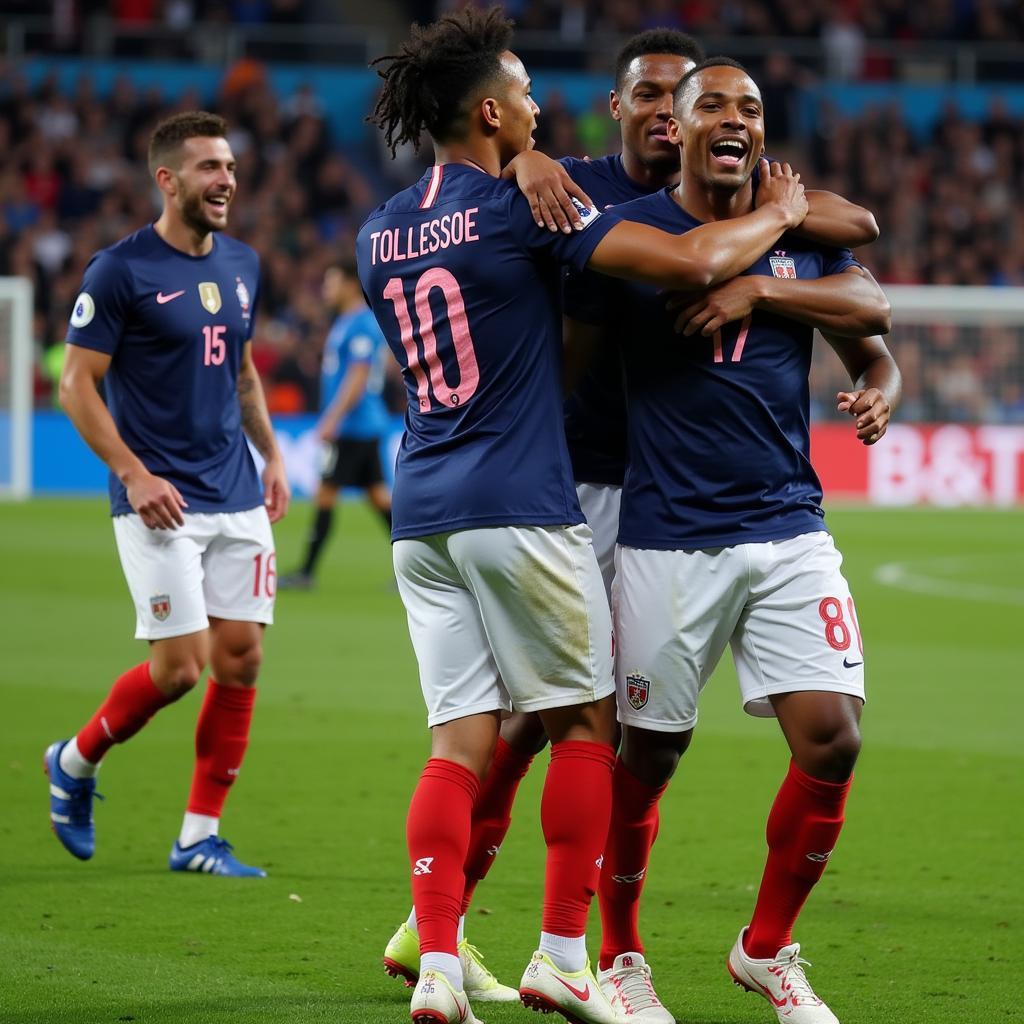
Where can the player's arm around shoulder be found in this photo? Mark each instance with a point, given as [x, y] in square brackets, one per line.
[877, 384]
[708, 254]
[549, 189]
[257, 426]
[157, 501]
[835, 221]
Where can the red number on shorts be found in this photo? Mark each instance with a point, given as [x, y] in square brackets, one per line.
[741, 340]
[458, 324]
[266, 575]
[837, 633]
[213, 354]
[856, 625]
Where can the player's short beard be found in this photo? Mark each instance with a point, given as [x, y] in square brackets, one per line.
[193, 215]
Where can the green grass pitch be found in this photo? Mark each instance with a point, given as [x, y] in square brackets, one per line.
[919, 918]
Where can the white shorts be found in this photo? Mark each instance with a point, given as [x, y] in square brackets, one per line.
[219, 563]
[600, 504]
[506, 617]
[783, 606]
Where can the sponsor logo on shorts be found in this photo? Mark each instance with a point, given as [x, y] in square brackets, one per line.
[851, 664]
[160, 605]
[638, 689]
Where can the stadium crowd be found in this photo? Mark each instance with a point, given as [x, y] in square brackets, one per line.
[73, 180]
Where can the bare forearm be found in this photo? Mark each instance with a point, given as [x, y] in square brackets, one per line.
[882, 373]
[255, 417]
[835, 221]
[847, 305]
[92, 420]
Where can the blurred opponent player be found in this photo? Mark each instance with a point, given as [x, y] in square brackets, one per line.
[722, 538]
[164, 320]
[353, 417]
[647, 70]
[494, 563]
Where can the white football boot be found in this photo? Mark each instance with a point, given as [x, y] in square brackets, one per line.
[434, 1001]
[781, 980]
[627, 984]
[576, 995]
[481, 984]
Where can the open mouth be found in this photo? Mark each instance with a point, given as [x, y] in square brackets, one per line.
[659, 132]
[728, 152]
[218, 204]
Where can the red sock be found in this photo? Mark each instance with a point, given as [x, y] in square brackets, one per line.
[574, 813]
[633, 829]
[437, 832]
[803, 827]
[493, 813]
[133, 700]
[222, 734]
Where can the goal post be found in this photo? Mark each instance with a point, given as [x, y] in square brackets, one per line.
[15, 387]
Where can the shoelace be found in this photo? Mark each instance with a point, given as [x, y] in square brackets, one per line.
[635, 989]
[791, 974]
[478, 960]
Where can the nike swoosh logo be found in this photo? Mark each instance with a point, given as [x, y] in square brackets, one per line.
[582, 994]
[851, 664]
[161, 298]
[768, 995]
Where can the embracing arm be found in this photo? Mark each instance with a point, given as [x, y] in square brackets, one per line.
[877, 383]
[708, 254]
[157, 501]
[256, 424]
[548, 189]
[849, 304]
[835, 221]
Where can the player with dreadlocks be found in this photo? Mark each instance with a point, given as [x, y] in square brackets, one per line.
[504, 596]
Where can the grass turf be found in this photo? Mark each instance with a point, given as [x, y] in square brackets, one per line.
[918, 919]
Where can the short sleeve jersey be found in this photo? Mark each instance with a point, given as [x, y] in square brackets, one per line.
[353, 340]
[175, 327]
[595, 410]
[465, 287]
[719, 445]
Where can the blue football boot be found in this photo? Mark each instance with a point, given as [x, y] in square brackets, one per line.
[70, 805]
[212, 856]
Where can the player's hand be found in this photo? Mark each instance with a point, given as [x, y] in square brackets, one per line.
[276, 492]
[157, 501]
[327, 429]
[870, 408]
[710, 311]
[549, 190]
[779, 184]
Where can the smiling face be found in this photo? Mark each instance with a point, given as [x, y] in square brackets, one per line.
[202, 184]
[643, 105]
[719, 122]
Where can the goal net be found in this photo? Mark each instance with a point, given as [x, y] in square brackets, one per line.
[15, 387]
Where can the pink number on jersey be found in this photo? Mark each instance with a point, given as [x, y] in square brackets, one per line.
[741, 340]
[396, 294]
[465, 356]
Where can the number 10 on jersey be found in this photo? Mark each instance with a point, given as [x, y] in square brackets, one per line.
[430, 363]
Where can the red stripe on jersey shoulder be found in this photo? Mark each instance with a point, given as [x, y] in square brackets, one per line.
[430, 196]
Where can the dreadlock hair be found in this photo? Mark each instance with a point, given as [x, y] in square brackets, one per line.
[711, 62]
[427, 84]
[656, 40]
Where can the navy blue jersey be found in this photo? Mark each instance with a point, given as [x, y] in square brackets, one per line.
[719, 447]
[175, 326]
[464, 285]
[595, 410]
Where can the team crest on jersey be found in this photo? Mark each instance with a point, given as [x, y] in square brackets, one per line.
[160, 605]
[783, 265]
[243, 295]
[209, 295]
[638, 689]
[587, 214]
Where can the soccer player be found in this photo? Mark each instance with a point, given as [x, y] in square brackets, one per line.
[502, 590]
[164, 320]
[647, 70]
[353, 417]
[722, 538]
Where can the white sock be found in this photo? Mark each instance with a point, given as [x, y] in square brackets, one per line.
[462, 929]
[197, 827]
[568, 955]
[411, 921]
[443, 963]
[72, 762]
